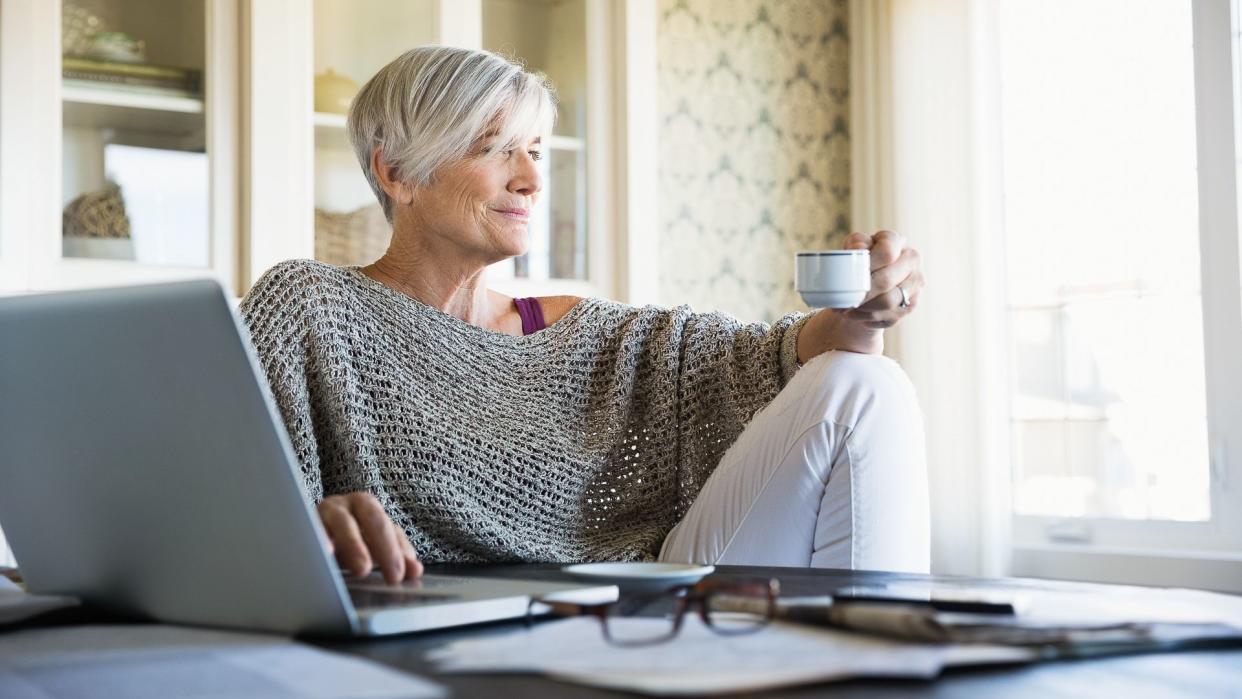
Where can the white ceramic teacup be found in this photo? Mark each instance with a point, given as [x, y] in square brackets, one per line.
[833, 278]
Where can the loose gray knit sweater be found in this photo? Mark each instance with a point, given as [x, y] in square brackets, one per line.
[584, 441]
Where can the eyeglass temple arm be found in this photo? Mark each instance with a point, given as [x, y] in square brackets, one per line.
[558, 608]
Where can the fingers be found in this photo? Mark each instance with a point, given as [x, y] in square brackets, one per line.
[884, 307]
[347, 541]
[413, 566]
[363, 537]
[890, 299]
[894, 268]
[377, 532]
[904, 271]
[857, 241]
[876, 320]
[886, 248]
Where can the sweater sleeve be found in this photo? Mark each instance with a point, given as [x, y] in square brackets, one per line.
[274, 311]
[728, 371]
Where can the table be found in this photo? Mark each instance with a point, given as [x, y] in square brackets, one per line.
[1201, 673]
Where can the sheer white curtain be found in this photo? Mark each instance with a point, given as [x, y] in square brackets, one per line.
[925, 163]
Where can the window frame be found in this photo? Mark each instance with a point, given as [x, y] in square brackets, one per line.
[1211, 551]
[621, 159]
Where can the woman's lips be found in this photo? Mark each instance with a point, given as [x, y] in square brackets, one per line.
[519, 214]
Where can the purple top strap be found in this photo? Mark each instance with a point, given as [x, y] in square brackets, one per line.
[531, 313]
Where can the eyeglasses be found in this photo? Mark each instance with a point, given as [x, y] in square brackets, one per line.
[728, 608]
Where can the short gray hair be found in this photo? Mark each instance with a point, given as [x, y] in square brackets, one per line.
[431, 104]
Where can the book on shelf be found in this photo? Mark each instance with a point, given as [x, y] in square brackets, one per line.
[113, 73]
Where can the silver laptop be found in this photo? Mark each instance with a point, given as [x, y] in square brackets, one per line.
[144, 467]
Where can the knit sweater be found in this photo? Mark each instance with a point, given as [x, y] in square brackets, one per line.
[587, 440]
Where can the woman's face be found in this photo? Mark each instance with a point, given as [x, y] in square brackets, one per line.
[482, 203]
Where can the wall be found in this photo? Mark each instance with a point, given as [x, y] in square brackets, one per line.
[754, 148]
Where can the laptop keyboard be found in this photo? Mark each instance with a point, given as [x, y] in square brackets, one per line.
[376, 596]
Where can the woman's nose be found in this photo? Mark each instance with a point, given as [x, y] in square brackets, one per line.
[526, 179]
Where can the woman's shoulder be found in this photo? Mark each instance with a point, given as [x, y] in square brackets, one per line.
[291, 280]
[296, 289]
[306, 274]
[596, 310]
[556, 307]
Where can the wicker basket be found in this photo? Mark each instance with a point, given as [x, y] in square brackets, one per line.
[98, 214]
[355, 238]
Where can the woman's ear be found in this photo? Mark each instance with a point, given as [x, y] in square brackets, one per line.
[387, 175]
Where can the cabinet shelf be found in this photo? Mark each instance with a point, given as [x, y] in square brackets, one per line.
[110, 108]
[329, 129]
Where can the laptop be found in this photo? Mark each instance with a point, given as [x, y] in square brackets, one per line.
[145, 468]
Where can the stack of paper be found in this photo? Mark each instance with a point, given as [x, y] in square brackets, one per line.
[700, 661]
[857, 640]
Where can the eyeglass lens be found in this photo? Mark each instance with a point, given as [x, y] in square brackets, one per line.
[642, 619]
[726, 610]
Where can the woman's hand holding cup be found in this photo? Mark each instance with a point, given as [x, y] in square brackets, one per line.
[896, 279]
[868, 286]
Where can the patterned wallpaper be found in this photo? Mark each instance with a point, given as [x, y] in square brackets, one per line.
[754, 148]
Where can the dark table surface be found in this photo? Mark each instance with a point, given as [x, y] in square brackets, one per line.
[1199, 673]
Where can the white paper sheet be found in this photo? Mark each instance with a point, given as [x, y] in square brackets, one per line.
[150, 661]
[1120, 604]
[16, 605]
[701, 661]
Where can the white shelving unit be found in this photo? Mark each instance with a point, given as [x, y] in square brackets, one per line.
[329, 128]
[55, 133]
[138, 100]
[265, 143]
[104, 107]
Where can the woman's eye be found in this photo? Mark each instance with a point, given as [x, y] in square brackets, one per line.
[507, 153]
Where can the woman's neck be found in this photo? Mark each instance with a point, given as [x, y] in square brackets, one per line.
[459, 293]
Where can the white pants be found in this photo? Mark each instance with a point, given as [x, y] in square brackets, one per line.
[831, 474]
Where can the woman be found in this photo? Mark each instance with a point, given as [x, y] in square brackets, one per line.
[437, 420]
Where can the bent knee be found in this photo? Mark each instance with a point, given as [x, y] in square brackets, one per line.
[860, 372]
[846, 388]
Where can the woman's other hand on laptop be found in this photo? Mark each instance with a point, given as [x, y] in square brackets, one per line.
[363, 538]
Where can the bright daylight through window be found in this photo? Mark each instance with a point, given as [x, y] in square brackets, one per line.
[1106, 343]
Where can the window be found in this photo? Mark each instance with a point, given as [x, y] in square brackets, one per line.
[1121, 271]
[552, 38]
